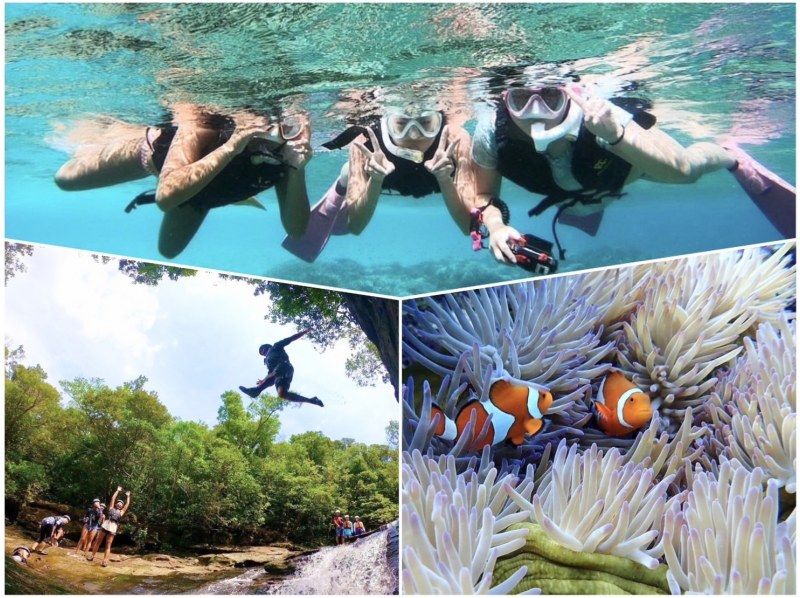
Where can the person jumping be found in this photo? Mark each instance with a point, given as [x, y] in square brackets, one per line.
[279, 372]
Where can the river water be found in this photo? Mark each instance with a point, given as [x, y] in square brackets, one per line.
[358, 568]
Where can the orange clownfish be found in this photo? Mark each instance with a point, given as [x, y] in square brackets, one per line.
[622, 407]
[516, 411]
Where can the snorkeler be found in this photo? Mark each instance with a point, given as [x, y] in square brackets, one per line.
[202, 161]
[580, 151]
[279, 372]
[411, 152]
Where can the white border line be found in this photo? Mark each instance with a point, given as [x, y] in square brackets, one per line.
[206, 269]
[598, 268]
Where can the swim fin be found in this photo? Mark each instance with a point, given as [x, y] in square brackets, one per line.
[252, 202]
[590, 223]
[328, 217]
[776, 198]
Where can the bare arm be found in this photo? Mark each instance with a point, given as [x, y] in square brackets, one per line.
[114, 497]
[363, 188]
[450, 166]
[127, 502]
[487, 186]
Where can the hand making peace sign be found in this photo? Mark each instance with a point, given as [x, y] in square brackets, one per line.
[598, 114]
[378, 165]
[443, 163]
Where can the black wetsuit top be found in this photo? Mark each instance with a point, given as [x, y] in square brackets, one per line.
[239, 180]
[408, 178]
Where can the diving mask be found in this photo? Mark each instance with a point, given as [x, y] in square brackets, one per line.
[397, 125]
[427, 123]
[547, 103]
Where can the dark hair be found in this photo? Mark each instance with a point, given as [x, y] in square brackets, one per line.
[262, 350]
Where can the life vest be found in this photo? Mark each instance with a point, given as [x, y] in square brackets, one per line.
[600, 172]
[114, 515]
[239, 180]
[408, 178]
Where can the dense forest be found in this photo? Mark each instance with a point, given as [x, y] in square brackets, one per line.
[190, 483]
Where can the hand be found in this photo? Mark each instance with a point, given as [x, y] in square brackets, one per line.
[443, 164]
[498, 242]
[378, 166]
[297, 152]
[249, 129]
[598, 114]
[119, 488]
[128, 493]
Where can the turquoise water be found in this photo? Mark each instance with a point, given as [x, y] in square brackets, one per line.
[708, 68]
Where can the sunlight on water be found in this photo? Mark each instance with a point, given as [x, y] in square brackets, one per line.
[711, 74]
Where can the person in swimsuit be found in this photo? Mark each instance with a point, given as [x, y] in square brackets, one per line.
[202, 161]
[358, 527]
[348, 528]
[91, 525]
[338, 524]
[579, 150]
[279, 372]
[110, 526]
[51, 530]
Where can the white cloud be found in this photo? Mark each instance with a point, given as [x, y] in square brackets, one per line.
[193, 338]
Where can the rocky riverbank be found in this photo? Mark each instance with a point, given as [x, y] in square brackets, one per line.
[61, 571]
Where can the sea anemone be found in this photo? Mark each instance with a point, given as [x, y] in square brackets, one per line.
[543, 332]
[724, 538]
[595, 502]
[693, 314]
[754, 405]
[454, 526]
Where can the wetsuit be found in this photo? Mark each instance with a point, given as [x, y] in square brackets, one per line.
[240, 179]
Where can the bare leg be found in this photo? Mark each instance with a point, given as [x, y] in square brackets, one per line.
[111, 164]
[109, 540]
[178, 227]
[658, 157]
[83, 541]
[96, 546]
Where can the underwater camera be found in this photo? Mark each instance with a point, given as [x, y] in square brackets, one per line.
[534, 254]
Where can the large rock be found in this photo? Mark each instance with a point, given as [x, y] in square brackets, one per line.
[558, 570]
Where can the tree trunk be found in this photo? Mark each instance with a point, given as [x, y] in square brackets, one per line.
[378, 318]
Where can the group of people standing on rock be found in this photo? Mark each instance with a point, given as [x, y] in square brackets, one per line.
[345, 528]
[554, 137]
[100, 526]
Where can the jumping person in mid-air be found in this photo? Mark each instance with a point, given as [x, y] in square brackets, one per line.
[279, 372]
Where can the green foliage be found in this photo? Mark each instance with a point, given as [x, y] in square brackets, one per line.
[189, 482]
[15, 258]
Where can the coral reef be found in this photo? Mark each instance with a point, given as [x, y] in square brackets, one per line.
[710, 338]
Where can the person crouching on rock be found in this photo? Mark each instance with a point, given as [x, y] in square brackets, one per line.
[110, 525]
[51, 530]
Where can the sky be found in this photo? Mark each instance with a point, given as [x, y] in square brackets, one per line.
[193, 339]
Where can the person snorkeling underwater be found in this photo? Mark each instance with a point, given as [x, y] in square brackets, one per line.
[202, 160]
[580, 151]
[410, 151]
[279, 372]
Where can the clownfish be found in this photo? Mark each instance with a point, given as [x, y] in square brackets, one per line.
[516, 411]
[621, 406]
